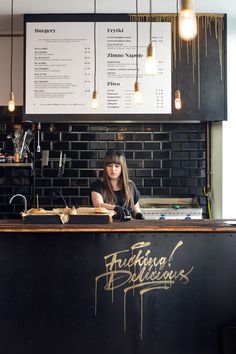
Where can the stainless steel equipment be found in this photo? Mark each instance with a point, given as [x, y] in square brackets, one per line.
[22, 196]
[170, 208]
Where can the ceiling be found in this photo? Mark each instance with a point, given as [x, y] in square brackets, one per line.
[22, 7]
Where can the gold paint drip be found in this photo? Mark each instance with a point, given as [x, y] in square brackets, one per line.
[216, 32]
[124, 311]
[193, 59]
[220, 46]
[113, 290]
[141, 315]
[107, 274]
[132, 253]
[205, 19]
[187, 52]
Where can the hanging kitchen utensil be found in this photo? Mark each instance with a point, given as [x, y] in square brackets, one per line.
[63, 164]
[45, 158]
[59, 175]
[37, 201]
[28, 140]
[23, 144]
[38, 145]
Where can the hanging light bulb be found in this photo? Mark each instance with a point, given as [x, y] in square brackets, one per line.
[150, 64]
[178, 103]
[11, 102]
[187, 21]
[138, 97]
[94, 103]
[137, 87]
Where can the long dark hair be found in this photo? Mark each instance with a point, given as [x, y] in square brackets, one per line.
[116, 157]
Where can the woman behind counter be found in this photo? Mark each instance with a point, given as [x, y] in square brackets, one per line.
[115, 191]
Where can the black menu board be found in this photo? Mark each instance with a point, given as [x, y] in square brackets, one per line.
[59, 71]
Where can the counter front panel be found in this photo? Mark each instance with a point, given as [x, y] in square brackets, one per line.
[113, 292]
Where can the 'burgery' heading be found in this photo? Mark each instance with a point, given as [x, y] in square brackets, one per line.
[46, 30]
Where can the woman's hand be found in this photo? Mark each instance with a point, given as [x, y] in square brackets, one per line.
[122, 213]
[139, 216]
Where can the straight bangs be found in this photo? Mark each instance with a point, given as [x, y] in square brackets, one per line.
[113, 158]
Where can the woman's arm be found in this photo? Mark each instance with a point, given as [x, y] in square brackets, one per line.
[137, 213]
[98, 201]
[136, 209]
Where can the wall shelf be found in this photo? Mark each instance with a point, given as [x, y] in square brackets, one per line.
[16, 164]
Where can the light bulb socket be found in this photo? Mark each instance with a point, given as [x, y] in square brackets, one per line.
[178, 103]
[186, 5]
[12, 97]
[177, 95]
[95, 95]
[137, 93]
[137, 87]
[151, 50]
[94, 102]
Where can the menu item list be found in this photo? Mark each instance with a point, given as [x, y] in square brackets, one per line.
[60, 68]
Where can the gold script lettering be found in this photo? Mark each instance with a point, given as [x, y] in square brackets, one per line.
[135, 269]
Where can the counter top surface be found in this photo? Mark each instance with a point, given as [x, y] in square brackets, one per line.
[130, 226]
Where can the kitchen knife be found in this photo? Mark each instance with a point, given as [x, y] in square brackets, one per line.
[23, 144]
[60, 165]
[38, 146]
[63, 165]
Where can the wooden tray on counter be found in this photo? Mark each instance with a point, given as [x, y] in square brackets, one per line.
[73, 219]
[42, 219]
[83, 216]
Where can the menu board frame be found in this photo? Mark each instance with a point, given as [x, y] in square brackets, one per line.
[214, 109]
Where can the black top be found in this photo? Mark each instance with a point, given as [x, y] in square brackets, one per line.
[98, 187]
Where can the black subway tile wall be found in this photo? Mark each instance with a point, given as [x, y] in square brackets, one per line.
[164, 159]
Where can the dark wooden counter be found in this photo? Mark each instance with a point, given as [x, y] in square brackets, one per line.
[134, 287]
[131, 226]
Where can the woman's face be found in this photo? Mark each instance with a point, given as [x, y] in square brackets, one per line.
[113, 170]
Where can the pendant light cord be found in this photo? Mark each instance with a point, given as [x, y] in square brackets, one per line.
[150, 16]
[137, 40]
[177, 45]
[11, 64]
[95, 46]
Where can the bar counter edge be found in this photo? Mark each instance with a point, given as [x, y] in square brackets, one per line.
[205, 225]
